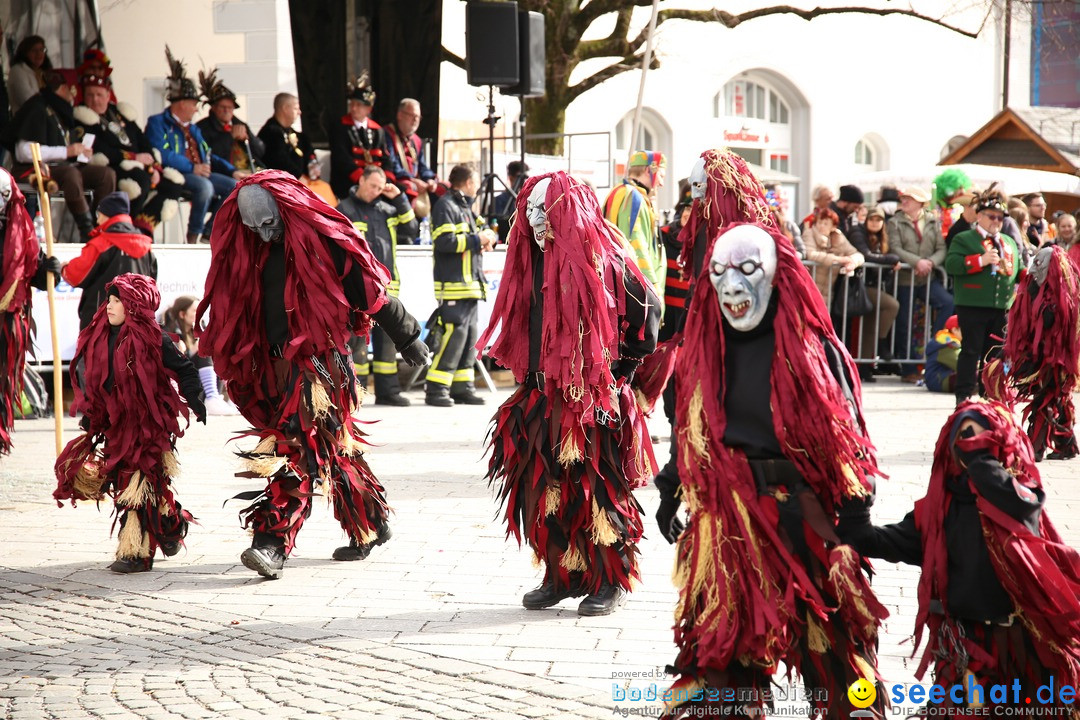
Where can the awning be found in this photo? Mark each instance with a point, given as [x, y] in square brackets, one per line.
[770, 177]
[1014, 181]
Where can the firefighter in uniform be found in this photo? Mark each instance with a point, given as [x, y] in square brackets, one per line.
[458, 245]
[380, 211]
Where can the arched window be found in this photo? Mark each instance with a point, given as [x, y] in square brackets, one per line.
[864, 153]
[743, 98]
[626, 126]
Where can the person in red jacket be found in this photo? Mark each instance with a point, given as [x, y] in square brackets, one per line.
[115, 247]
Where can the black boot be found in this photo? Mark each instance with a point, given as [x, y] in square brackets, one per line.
[85, 223]
[603, 602]
[171, 546]
[132, 565]
[266, 556]
[438, 395]
[388, 391]
[464, 393]
[866, 373]
[356, 551]
[547, 595]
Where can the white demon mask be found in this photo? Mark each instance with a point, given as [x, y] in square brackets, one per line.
[536, 212]
[742, 269]
[5, 190]
[698, 179]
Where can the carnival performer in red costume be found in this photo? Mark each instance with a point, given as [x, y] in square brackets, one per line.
[290, 282]
[998, 594]
[1042, 351]
[130, 410]
[771, 443]
[24, 266]
[569, 445]
[723, 191]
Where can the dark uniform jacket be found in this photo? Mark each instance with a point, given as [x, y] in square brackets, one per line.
[381, 222]
[223, 144]
[46, 118]
[459, 270]
[116, 137]
[286, 149]
[351, 149]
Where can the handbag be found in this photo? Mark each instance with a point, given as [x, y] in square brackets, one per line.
[856, 301]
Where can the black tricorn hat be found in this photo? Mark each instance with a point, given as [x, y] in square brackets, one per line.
[180, 86]
[360, 89]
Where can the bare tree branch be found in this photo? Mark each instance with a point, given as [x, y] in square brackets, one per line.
[630, 62]
[453, 59]
[614, 45]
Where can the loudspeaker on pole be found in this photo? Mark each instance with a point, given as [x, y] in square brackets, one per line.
[492, 53]
[533, 56]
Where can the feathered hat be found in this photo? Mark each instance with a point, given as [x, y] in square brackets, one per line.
[213, 89]
[360, 89]
[179, 85]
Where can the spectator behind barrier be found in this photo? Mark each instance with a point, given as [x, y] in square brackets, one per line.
[916, 238]
[179, 321]
[827, 246]
[872, 241]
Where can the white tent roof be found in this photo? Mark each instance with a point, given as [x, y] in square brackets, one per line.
[1014, 181]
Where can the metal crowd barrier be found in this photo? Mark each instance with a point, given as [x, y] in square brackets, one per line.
[852, 334]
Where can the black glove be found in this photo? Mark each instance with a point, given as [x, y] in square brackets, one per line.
[199, 409]
[52, 265]
[84, 423]
[667, 517]
[625, 368]
[416, 353]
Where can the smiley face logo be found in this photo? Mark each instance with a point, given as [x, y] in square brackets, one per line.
[862, 693]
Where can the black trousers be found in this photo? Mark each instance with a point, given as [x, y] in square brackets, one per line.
[454, 358]
[983, 331]
[383, 363]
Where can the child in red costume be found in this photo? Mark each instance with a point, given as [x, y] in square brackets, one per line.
[130, 412]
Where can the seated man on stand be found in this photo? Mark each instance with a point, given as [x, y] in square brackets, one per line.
[406, 148]
[48, 119]
[208, 177]
[228, 136]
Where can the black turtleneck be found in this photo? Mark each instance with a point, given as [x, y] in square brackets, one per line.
[748, 358]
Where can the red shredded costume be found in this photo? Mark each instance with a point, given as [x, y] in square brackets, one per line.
[1042, 348]
[762, 577]
[999, 593]
[569, 445]
[131, 414]
[297, 389]
[19, 256]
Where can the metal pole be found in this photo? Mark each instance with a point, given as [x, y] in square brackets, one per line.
[636, 126]
[1005, 53]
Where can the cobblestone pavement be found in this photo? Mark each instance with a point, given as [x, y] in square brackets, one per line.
[429, 626]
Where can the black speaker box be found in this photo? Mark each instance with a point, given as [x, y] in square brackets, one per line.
[533, 56]
[492, 56]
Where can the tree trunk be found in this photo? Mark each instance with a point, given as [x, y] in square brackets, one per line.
[545, 115]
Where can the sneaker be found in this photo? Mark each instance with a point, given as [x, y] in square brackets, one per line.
[220, 406]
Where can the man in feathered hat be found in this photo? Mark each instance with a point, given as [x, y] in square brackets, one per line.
[985, 265]
[998, 589]
[228, 136]
[152, 189]
[23, 265]
[1042, 349]
[208, 177]
[630, 207]
[569, 446]
[771, 442]
[130, 410]
[290, 281]
[356, 140]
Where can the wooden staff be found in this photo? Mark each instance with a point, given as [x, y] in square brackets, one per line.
[58, 373]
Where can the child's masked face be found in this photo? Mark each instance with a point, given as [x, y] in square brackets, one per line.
[115, 311]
